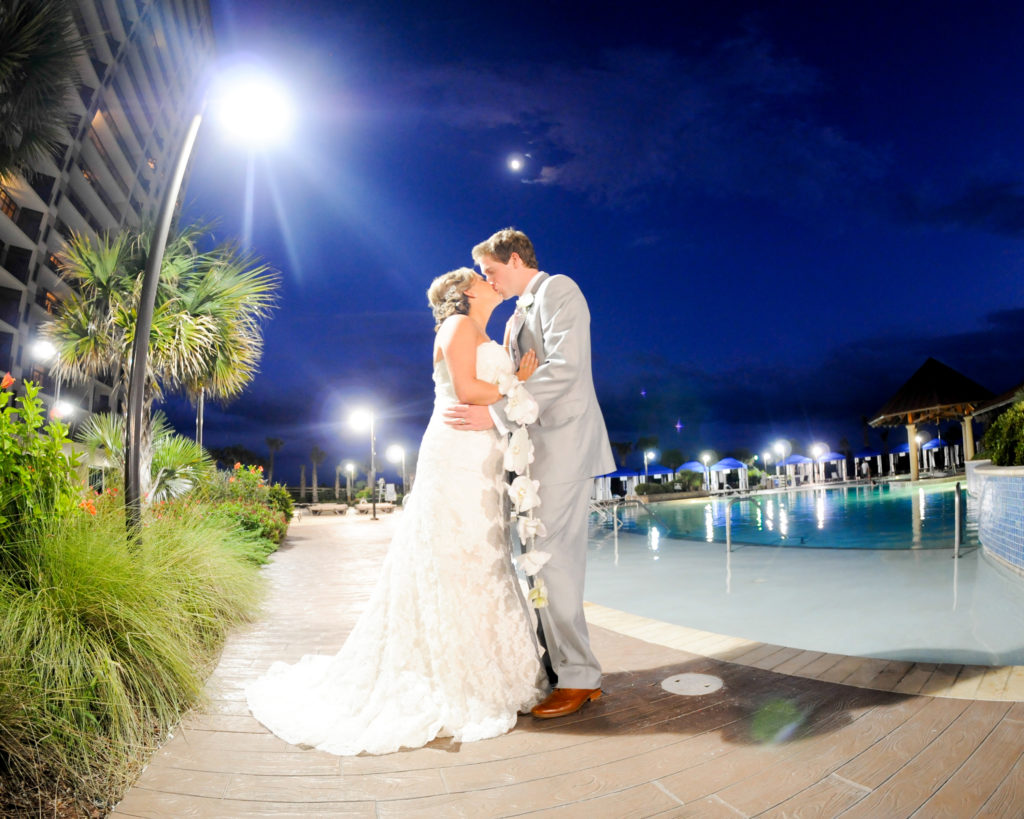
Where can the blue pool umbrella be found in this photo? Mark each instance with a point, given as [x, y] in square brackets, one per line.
[902, 449]
[795, 459]
[692, 466]
[831, 456]
[868, 453]
[934, 443]
[621, 473]
[727, 463]
[657, 469]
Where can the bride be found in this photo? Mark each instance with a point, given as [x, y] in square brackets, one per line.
[446, 646]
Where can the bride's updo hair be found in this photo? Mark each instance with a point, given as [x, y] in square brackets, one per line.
[447, 294]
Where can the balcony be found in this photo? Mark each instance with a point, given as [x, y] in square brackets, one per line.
[16, 262]
[43, 185]
[6, 350]
[29, 221]
[10, 305]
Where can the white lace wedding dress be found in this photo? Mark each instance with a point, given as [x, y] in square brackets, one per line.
[446, 646]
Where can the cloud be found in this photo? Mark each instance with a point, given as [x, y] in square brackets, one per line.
[735, 121]
[993, 206]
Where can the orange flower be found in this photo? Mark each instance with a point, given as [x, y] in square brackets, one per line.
[231, 480]
[7, 381]
[238, 466]
[260, 468]
[88, 506]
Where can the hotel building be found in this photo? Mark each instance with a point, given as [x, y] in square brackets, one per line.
[138, 79]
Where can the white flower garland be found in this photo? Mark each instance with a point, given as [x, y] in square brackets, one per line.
[522, 409]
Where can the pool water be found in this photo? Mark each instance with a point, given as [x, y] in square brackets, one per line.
[884, 582]
[885, 516]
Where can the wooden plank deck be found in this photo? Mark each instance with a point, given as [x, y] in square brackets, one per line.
[790, 733]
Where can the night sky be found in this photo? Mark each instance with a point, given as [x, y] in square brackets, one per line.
[777, 211]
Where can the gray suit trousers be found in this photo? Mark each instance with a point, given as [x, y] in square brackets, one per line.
[564, 508]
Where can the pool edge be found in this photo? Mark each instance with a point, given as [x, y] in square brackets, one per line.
[955, 681]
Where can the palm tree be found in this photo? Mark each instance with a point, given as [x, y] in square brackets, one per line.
[274, 445]
[38, 47]
[206, 324]
[622, 450]
[302, 482]
[673, 459]
[317, 456]
[178, 463]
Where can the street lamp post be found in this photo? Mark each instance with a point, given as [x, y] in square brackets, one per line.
[143, 325]
[350, 468]
[649, 456]
[707, 474]
[360, 420]
[43, 350]
[395, 454]
[258, 95]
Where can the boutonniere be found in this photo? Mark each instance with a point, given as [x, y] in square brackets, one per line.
[524, 302]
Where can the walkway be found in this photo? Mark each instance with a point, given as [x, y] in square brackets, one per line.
[765, 744]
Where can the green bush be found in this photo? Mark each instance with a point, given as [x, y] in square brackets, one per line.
[1003, 441]
[37, 478]
[104, 644]
[281, 500]
[265, 523]
[242, 496]
[686, 481]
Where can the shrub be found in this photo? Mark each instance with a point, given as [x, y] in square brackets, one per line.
[281, 500]
[1003, 441]
[104, 644]
[242, 496]
[265, 523]
[37, 478]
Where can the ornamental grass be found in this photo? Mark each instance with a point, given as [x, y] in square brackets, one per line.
[105, 643]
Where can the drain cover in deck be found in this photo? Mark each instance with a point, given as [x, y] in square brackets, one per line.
[692, 685]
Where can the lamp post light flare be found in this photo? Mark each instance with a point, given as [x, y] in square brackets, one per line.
[395, 453]
[361, 420]
[350, 469]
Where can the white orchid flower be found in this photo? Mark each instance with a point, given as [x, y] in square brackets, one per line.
[518, 451]
[532, 561]
[530, 528]
[538, 594]
[521, 408]
[524, 495]
[524, 302]
[506, 381]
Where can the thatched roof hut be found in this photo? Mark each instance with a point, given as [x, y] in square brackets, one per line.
[934, 393]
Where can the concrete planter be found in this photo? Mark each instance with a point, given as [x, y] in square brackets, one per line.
[1000, 494]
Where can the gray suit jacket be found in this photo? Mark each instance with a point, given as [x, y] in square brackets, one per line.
[570, 439]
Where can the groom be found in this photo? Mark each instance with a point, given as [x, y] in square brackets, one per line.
[571, 447]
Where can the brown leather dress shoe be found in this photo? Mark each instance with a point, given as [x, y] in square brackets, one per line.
[564, 701]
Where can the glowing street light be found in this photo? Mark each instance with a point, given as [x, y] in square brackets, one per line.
[395, 453]
[817, 450]
[649, 455]
[258, 97]
[350, 469]
[361, 420]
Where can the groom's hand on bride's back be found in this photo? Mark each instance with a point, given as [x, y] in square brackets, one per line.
[470, 417]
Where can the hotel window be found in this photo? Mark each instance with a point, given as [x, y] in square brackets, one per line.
[8, 205]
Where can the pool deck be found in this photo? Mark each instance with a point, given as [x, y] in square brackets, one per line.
[871, 738]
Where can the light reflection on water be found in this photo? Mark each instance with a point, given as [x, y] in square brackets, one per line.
[886, 516]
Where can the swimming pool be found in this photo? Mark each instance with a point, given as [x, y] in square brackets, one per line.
[884, 516]
[910, 599]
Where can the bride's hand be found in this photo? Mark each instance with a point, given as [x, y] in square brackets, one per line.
[527, 365]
